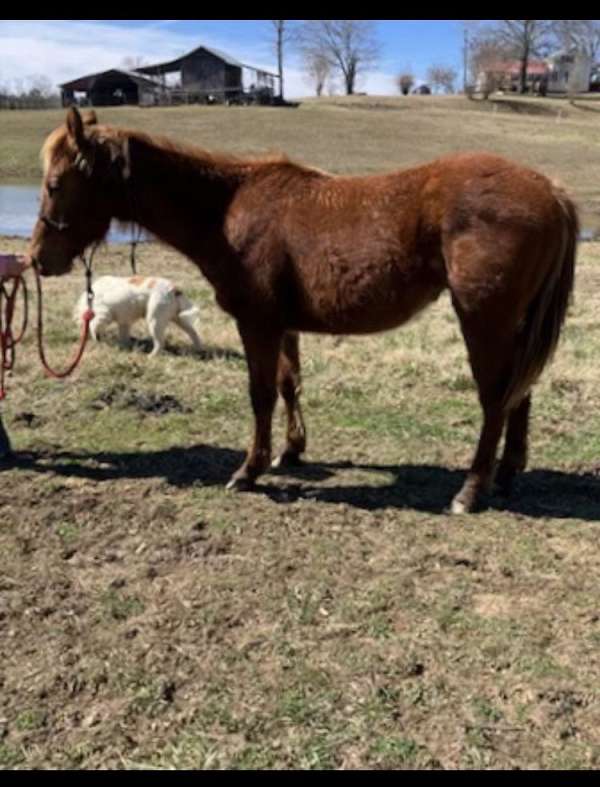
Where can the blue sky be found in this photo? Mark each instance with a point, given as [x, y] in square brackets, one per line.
[64, 49]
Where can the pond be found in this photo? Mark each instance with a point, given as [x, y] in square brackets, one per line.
[19, 207]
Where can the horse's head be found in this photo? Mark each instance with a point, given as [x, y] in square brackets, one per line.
[85, 166]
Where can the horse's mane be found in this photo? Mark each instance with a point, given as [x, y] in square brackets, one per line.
[58, 143]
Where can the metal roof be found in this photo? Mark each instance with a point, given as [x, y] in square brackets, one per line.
[175, 65]
[86, 82]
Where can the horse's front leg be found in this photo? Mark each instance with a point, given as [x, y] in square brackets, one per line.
[289, 383]
[262, 353]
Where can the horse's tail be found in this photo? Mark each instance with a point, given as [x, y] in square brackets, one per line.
[541, 328]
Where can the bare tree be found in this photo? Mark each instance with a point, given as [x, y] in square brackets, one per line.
[317, 69]
[583, 34]
[485, 55]
[35, 92]
[442, 77]
[280, 34]
[41, 86]
[348, 45]
[405, 81]
[521, 39]
[485, 52]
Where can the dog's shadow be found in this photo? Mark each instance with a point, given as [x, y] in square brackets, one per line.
[144, 346]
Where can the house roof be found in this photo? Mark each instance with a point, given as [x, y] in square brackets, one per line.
[175, 65]
[87, 82]
[513, 67]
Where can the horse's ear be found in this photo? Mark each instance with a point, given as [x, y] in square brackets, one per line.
[126, 159]
[90, 118]
[75, 127]
[119, 153]
[118, 150]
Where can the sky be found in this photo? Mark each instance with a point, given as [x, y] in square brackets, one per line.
[62, 50]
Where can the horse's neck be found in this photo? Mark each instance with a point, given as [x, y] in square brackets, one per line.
[180, 197]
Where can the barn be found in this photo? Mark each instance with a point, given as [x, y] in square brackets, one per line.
[112, 87]
[204, 75]
[210, 72]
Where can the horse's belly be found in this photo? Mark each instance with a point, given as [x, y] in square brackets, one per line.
[367, 304]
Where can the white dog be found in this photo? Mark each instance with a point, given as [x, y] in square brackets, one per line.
[125, 300]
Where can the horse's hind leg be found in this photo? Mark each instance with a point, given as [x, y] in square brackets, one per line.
[490, 355]
[262, 354]
[289, 386]
[514, 456]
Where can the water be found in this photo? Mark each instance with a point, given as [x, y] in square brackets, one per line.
[19, 207]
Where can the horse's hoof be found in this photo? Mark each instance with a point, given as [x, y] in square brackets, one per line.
[286, 459]
[461, 505]
[240, 485]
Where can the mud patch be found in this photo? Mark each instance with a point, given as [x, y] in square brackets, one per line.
[30, 420]
[123, 397]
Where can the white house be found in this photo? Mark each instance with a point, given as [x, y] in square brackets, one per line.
[569, 71]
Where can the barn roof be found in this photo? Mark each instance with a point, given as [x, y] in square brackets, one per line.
[87, 82]
[175, 65]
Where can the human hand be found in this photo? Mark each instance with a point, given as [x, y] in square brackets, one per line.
[13, 264]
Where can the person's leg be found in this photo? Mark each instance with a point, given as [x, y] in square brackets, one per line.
[5, 447]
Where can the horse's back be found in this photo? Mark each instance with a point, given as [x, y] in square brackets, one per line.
[359, 254]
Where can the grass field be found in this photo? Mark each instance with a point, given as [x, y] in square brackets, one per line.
[363, 134]
[337, 617]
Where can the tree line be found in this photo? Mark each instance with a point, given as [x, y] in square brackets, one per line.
[488, 43]
[347, 49]
[36, 92]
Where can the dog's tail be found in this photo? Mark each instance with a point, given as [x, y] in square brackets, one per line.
[185, 308]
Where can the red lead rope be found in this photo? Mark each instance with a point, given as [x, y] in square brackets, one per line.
[87, 317]
[8, 341]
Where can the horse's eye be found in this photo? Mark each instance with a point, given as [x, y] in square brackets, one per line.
[52, 187]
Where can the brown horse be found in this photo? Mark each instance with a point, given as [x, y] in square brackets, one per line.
[289, 248]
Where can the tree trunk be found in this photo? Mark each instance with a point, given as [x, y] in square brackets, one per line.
[350, 77]
[280, 57]
[523, 73]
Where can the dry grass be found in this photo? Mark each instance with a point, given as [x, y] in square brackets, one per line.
[337, 617]
[364, 134]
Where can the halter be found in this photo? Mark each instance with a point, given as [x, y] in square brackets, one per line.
[59, 226]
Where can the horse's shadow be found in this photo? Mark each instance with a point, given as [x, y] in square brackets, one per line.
[539, 493]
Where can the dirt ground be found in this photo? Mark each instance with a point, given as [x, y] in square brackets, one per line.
[335, 618]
